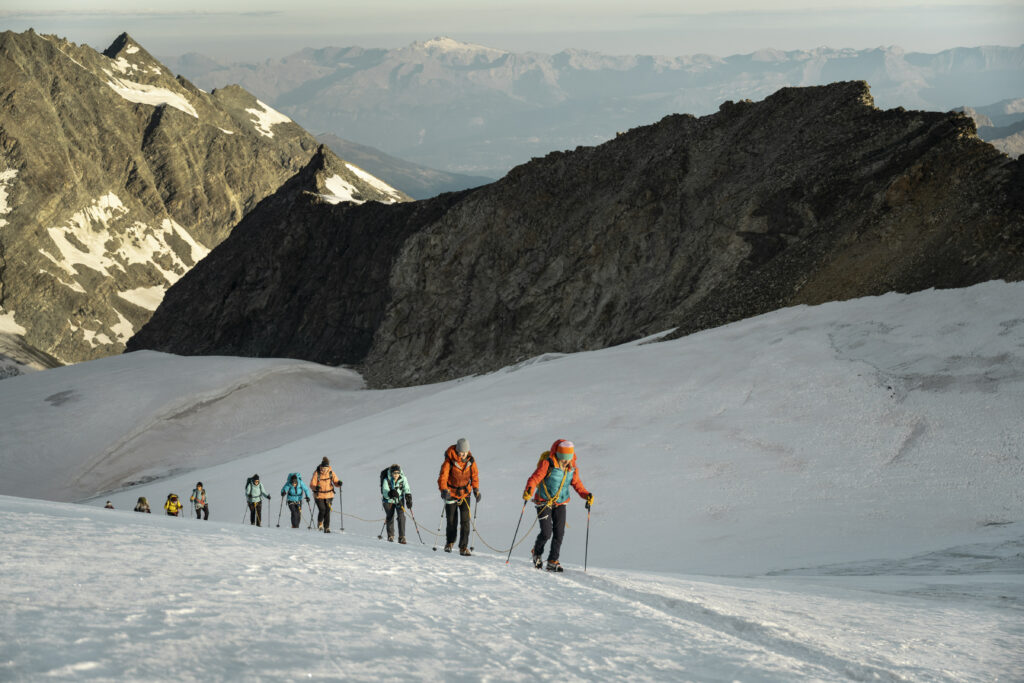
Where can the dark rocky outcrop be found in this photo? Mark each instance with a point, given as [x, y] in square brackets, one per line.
[115, 178]
[809, 196]
[299, 278]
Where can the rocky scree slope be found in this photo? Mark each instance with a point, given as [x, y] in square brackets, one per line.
[116, 178]
[808, 196]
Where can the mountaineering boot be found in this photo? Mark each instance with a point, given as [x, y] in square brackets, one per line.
[538, 561]
[327, 531]
[553, 566]
[401, 539]
[391, 539]
[465, 551]
[448, 547]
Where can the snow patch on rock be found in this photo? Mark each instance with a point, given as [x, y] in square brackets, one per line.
[6, 178]
[265, 117]
[150, 94]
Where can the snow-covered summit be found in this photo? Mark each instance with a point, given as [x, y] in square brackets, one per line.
[444, 44]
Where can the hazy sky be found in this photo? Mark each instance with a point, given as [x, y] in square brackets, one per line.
[724, 27]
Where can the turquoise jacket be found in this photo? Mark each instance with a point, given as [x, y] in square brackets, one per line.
[558, 479]
[255, 493]
[295, 493]
[401, 487]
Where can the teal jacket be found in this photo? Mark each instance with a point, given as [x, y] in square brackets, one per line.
[391, 489]
[254, 494]
[295, 493]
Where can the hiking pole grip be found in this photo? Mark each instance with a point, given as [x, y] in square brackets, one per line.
[512, 547]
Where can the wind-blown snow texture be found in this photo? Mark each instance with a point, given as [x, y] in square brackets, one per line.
[820, 493]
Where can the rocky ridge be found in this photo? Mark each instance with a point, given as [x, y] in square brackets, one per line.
[116, 178]
[809, 196]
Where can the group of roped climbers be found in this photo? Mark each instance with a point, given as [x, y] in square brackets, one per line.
[548, 488]
[173, 506]
[323, 482]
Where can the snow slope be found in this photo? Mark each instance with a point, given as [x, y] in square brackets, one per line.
[117, 595]
[820, 493]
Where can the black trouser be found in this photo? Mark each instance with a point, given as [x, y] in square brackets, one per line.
[456, 512]
[390, 509]
[256, 513]
[203, 510]
[552, 525]
[323, 512]
[295, 507]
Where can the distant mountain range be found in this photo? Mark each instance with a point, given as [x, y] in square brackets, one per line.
[116, 178]
[478, 110]
[419, 182]
[1001, 124]
[809, 196]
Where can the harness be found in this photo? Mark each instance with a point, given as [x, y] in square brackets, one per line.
[463, 491]
[565, 475]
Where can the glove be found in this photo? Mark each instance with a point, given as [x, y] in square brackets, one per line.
[408, 500]
[478, 495]
[444, 495]
[527, 495]
[307, 499]
[590, 500]
[267, 495]
[282, 495]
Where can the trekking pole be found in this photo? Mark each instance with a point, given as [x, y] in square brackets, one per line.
[244, 511]
[438, 532]
[380, 536]
[476, 506]
[279, 511]
[586, 545]
[517, 532]
[341, 508]
[417, 526]
[308, 505]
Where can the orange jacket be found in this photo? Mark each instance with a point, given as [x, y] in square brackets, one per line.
[323, 482]
[545, 467]
[458, 476]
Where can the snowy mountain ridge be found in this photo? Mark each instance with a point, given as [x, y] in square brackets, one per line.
[116, 177]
